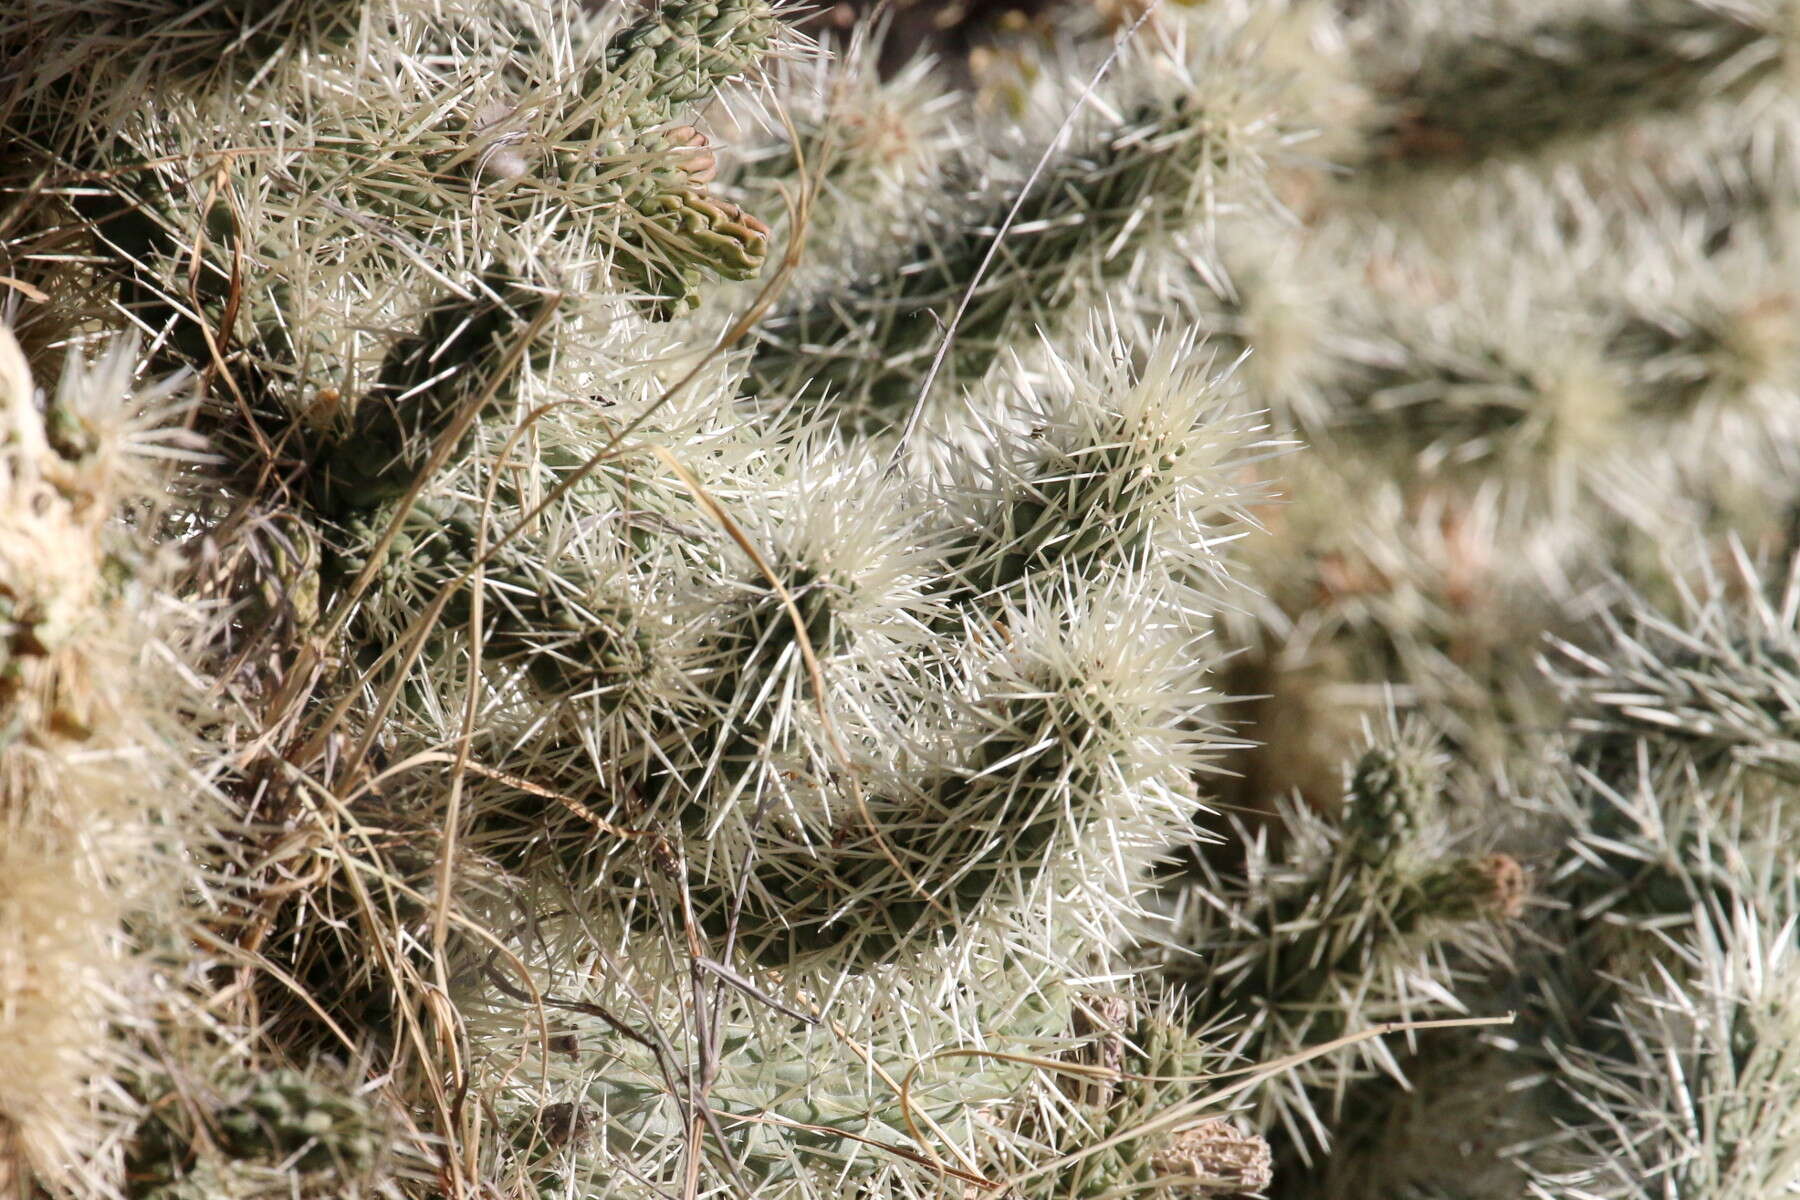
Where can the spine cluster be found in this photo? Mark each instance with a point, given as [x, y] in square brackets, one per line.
[685, 620]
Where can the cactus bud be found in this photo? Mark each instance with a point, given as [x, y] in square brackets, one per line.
[1213, 1158]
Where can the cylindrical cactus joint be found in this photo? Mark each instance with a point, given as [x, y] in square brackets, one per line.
[1491, 887]
[1148, 1066]
[426, 382]
[1392, 790]
[281, 1118]
[683, 51]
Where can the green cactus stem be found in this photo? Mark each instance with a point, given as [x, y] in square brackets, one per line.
[1477, 97]
[1086, 221]
[427, 381]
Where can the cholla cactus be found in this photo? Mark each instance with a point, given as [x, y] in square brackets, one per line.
[1682, 902]
[267, 1129]
[872, 146]
[1561, 77]
[1715, 684]
[1681, 796]
[1610, 111]
[80, 68]
[274, 260]
[1076, 752]
[705, 703]
[98, 806]
[1697, 1096]
[1197, 126]
[757, 720]
[1120, 1127]
[1376, 917]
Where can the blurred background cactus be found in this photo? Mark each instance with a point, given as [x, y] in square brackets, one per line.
[1171, 600]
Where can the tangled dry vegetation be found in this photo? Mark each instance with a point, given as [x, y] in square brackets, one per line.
[626, 603]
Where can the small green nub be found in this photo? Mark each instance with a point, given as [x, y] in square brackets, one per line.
[1391, 792]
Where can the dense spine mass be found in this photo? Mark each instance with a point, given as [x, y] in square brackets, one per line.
[1566, 76]
[491, 704]
[1006, 264]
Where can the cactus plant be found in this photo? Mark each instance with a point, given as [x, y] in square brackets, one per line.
[691, 638]
[1195, 131]
[1370, 920]
[101, 808]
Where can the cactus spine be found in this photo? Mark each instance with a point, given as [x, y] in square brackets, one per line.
[608, 758]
